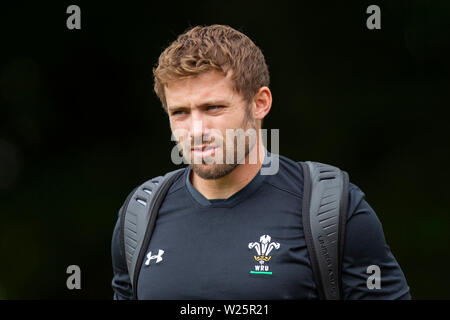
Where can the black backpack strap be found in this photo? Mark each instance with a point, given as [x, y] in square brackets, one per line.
[325, 201]
[138, 219]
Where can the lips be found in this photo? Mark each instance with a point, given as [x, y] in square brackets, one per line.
[202, 148]
[204, 151]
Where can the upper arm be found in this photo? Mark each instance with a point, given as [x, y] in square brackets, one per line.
[365, 245]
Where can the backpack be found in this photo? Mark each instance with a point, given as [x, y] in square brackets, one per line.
[324, 211]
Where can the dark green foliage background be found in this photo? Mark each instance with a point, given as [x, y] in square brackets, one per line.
[80, 126]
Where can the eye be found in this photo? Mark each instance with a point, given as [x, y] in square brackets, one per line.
[214, 107]
[175, 113]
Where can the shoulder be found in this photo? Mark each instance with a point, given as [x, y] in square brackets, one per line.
[293, 169]
[288, 178]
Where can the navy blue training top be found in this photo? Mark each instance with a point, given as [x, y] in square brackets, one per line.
[252, 246]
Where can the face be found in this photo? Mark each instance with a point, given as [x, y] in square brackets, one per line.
[202, 110]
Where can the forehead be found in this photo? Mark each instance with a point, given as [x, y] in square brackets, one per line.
[189, 92]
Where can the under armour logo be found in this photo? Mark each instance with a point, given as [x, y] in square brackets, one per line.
[158, 257]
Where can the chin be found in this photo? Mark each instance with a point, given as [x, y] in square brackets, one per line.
[212, 171]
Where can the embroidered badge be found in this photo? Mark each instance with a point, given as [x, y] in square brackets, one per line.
[263, 248]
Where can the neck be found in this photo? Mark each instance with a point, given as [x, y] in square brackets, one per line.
[225, 187]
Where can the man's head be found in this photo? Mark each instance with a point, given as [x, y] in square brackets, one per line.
[211, 79]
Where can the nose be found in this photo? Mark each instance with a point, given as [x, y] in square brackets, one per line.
[199, 129]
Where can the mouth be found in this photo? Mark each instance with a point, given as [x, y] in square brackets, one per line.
[203, 151]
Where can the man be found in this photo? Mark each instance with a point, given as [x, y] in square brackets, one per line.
[223, 218]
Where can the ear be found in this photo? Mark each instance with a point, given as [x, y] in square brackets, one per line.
[262, 102]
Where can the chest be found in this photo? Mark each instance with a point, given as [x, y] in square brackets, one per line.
[227, 254]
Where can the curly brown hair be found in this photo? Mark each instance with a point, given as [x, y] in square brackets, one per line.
[215, 47]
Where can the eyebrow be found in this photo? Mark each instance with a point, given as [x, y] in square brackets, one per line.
[205, 104]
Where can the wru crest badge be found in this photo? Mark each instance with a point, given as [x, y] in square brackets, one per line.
[263, 249]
